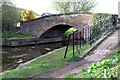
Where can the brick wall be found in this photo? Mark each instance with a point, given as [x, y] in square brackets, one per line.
[40, 25]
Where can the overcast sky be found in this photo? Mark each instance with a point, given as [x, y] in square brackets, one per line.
[41, 6]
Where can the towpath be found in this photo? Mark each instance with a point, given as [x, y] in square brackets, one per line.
[97, 55]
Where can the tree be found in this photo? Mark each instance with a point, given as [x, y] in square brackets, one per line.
[28, 15]
[0, 16]
[67, 6]
[10, 16]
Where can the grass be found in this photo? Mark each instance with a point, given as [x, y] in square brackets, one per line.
[97, 70]
[114, 54]
[51, 62]
[12, 35]
[69, 31]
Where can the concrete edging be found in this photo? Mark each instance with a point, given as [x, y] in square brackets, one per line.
[14, 42]
[19, 41]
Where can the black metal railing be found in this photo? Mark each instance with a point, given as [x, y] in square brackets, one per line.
[90, 34]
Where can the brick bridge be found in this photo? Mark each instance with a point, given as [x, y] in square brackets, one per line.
[54, 26]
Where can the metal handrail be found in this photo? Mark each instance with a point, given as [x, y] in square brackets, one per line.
[88, 32]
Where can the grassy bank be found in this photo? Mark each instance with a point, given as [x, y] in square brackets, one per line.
[13, 35]
[103, 69]
[51, 62]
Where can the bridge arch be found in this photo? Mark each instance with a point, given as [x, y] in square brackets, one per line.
[56, 30]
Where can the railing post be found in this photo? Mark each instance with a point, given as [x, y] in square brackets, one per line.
[73, 44]
[77, 41]
[96, 31]
[100, 27]
[80, 39]
[90, 36]
[83, 36]
[67, 46]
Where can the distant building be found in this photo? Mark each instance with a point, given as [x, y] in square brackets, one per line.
[46, 14]
[18, 24]
[118, 19]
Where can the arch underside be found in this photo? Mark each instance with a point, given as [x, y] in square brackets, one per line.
[56, 31]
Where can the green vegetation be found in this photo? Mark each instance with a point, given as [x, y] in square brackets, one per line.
[102, 24]
[10, 16]
[51, 62]
[103, 69]
[27, 15]
[12, 35]
[69, 31]
[67, 6]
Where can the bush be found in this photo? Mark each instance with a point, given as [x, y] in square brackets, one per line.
[10, 16]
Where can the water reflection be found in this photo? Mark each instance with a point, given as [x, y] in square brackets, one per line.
[14, 56]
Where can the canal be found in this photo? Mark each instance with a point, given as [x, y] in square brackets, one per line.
[12, 57]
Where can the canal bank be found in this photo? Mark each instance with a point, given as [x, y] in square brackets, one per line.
[28, 41]
[12, 57]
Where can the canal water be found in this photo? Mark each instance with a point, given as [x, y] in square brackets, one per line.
[12, 57]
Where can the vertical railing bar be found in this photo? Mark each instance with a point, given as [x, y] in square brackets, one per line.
[73, 44]
[83, 36]
[67, 46]
[76, 36]
[78, 42]
[90, 35]
[95, 32]
[80, 39]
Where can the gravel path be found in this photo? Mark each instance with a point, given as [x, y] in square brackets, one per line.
[97, 55]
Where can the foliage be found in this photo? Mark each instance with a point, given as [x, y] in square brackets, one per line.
[28, 15]
[69, 31]
[0, 16]
[12, 35]
[114, 20]
[67, 6]
[10, 16]
[103, 69]
[103, 20]
[102, 24]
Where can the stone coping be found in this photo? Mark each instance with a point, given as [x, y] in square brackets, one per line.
[57, 15]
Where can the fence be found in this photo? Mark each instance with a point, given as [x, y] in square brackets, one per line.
[102, 24]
